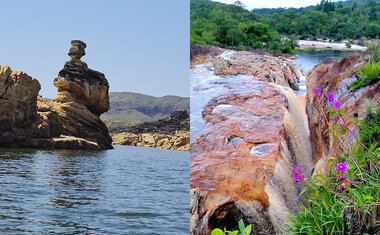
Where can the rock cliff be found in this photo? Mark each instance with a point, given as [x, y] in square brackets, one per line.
[249, 136]
[70, 121]
[333, 76]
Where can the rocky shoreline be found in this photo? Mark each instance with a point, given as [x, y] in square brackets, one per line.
[305, 44]
[171, 133]
[179, 141]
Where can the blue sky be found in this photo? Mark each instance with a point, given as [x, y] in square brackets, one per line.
[141, 46]
[250, 4]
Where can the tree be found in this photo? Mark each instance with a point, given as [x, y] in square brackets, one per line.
[373, 30]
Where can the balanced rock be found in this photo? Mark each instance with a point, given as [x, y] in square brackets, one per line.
[76, 81]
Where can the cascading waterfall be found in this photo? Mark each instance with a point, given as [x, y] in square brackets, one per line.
[295, 151]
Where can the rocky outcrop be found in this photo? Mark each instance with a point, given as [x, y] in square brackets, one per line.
[170, 133]
[70, 121]
[251, 135]
[333, 76]
[279, 70]
[179, 141]
[200, 54]
[178, 120]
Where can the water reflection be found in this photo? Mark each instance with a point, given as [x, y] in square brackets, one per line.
[128, 190]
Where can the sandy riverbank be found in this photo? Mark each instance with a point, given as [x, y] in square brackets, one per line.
[331, 45]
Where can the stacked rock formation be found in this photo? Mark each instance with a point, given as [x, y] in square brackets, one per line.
[70, 121]
[333, 76]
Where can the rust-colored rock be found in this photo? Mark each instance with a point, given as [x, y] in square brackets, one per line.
[279, 70]
[335, 77]
[242, 157]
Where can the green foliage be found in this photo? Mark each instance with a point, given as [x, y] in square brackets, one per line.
[234, 27]
[348, 44]
[213, 23]
[242, 230]
[368, 75]
[370, 129]
[374, 52]
[349, 205]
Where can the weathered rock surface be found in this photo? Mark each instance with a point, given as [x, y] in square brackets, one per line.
[172, 133]
[70, 121]
[200, 54]
[335, 77]
[279, 70]
[253, 134]
[179, 141]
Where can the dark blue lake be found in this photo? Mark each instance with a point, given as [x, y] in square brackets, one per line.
[128, 190]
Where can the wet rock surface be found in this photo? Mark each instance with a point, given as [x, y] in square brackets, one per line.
[70, 121]
[245, 141]
[279, 70]
[334, 77]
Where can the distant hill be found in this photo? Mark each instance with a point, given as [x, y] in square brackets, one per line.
[129, 108]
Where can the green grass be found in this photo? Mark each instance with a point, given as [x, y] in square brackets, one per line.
[368, 75]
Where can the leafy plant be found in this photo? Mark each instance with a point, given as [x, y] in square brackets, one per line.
[242, 230]
[368, 75]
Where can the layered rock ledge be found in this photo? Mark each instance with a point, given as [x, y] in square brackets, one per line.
[171, 133]
[333, 76]
[70, 121]
[245, 140]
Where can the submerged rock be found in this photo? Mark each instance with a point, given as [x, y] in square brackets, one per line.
[335, 77]
[70, 121]
[253, 134]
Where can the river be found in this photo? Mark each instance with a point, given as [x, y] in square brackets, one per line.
[309, 59]
[128, 190]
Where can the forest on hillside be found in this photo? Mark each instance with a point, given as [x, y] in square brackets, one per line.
[276, 30]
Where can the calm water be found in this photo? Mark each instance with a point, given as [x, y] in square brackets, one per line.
[309, 59]
[128, 190]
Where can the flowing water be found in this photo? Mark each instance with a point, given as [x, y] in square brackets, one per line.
[309, 59]
[128, 190]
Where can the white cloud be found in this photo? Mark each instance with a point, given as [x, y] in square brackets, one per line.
[250, 4]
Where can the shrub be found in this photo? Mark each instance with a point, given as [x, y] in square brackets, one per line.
[368, 75]
[348, 44]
